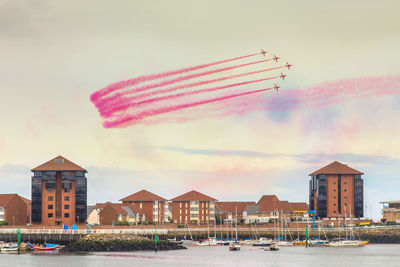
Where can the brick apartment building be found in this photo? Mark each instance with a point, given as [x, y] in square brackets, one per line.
[154, 207]
[13, 209]
[336, 190]
[59, 193]
[193, 208]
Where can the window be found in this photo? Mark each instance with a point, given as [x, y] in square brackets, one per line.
[50, 207]
[50, 215]
[140, 205]
[59, 160]
[345, 190]
[334, 204]
[66, 215]
[66, 198]
[334, 182]
[334, 190]
[334, 211]
[50, 198]
[66, 207]
[345, 197]
[334, 197]
[345, 182]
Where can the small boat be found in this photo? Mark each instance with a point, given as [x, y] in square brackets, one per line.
[9, 247]
[262, 242]
[223, 243]
[206, 242]
[174, 240]
[234, 247]
[45, 247]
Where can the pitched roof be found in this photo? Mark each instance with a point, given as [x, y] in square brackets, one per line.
[336, 168]
[298, 206]
[59, 164]
[193, 195]
[89, 210]
[252, 209]
[231, 206]
[27, 201]
[267, 198]
[100, 205]
[143, 195]
[6, 198]
[123, 209]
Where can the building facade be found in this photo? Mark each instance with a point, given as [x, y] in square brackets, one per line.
[13, 209]
[154, 207]
[59, 193]
[193, 208]
[337, 190]
[112, 213]
[391, 211]
[228, 211]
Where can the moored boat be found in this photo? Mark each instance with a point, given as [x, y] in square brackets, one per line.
[45, 247]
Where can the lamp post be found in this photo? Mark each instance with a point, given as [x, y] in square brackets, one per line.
[78, 220]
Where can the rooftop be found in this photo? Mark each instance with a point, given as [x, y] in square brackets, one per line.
[59, 164]
[231, 206]
[143, 195]
[336, 168]
[193, 195]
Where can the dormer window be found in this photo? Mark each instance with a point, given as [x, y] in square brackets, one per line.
[58, 161]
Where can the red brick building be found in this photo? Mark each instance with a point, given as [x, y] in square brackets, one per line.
[112, 213]
[154, 207]
[193, 208]
[336, 190]
[59, 193]
[271, 208]
[13, 209]
[230, 210]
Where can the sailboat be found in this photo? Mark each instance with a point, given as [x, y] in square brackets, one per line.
[234, 246]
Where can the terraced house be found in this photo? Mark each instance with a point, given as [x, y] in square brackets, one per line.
[154, 207]
[193, 208]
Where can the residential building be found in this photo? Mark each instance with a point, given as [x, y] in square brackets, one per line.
[28, 203]
[193, 208]
[391, 211]
[93, 213]
[117, 212]
[228, 211]
[250, 214]
[336, 190]
[59, 193]
[13, 209]
[154, 207]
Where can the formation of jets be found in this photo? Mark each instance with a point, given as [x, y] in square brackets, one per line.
[288, 66]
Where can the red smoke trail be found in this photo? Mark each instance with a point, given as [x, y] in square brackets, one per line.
[112, 105]
[154, 112]
[106, 114]
[100, 104]
[115, 86]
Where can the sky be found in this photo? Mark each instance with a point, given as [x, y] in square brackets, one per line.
[55, 54]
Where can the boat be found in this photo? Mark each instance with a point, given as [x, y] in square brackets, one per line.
[223, 243]
[44, 247]
[262, 242]
[175, 241]
[206, 242]
[9, 247]
[235, 246]
[272, 247]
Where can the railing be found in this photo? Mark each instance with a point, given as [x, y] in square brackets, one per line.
[147, 231]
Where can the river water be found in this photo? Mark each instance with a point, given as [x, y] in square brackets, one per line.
[370, 255]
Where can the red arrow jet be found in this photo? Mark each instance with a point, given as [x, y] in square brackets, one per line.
[283, 76]
[288, 66]
[275, 58]
[276, 87]
[263, 52]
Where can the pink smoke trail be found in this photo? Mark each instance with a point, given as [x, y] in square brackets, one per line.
[148, 113]
[169, 97]
[111, 105]
[115, 86]
[100, 104]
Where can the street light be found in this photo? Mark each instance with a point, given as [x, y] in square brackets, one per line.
[78, 220]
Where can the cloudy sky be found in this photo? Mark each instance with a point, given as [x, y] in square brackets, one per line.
[55, 54]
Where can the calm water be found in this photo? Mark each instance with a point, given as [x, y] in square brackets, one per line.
[371, 255]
